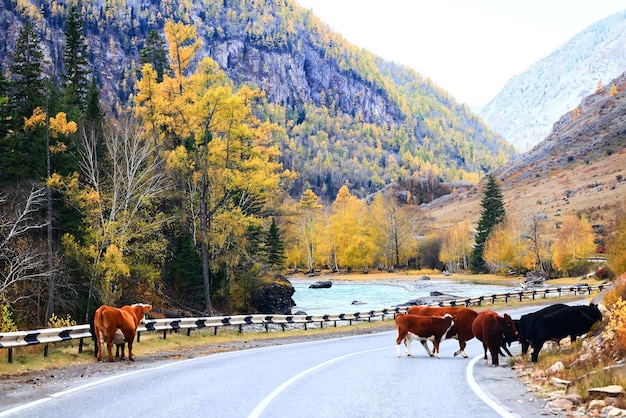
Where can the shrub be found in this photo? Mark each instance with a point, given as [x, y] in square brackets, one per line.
[615, 330]
[58, 322]
[6, 319]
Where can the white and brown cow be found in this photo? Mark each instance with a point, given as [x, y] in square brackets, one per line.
[463, 319]
[422, 328]
[118, 325]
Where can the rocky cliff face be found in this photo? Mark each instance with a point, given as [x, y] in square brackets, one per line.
[291, 79]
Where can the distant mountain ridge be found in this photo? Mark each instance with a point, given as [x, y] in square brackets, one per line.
[350, 117]
[524, 111]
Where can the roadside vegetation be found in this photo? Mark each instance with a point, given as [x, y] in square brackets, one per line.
[592, 362]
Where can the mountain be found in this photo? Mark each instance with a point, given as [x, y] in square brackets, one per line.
[348, 116]
[524, 111]
[579, 168]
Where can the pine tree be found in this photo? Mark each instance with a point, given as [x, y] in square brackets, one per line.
[492, 214]
[22, 154]
[26, 74]
[275, 247]
[75, 61]
[155, 54]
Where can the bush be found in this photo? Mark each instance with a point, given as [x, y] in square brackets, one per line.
[57, 322]
[6, 319]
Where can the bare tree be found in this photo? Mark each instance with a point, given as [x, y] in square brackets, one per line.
[20, 260]
[127, 180]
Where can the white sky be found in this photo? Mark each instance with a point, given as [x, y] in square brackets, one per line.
[470, 48]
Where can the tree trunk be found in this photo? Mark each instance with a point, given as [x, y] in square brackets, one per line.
[204, 245]
[51, 276]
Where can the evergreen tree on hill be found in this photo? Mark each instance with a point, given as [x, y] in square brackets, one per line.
[76, 63]
[492, 214]
[154, 53]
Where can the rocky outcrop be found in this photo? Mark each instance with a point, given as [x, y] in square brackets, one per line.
[274, 297]
[291, 79]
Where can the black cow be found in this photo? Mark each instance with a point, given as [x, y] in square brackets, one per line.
[526, 324]
[508, 339]
[571, 321]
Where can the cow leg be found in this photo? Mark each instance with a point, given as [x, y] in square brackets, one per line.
[525, 346]
[493, 350]
[99, 341]
[436, 344]
[402, 337]
[425, 345]
[536, 349]
[461, 350]
[485, 361]
[110, 349]
[130, 351]
[117, 351]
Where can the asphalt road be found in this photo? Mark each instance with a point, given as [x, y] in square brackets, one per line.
[359, 376]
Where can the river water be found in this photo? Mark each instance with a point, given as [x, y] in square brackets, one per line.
[372, 295]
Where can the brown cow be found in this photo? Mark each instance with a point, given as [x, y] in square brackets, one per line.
[491, 329]
[118, 326]
[422, 328]
[462, 329]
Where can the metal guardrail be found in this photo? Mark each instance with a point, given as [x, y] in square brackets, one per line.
[46, 336]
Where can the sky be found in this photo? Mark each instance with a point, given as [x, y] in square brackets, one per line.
[470, 48]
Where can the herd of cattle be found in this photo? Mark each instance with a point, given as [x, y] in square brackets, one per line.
[552, 323]
[423, 323]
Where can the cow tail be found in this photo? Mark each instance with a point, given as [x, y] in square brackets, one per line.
[97, 323]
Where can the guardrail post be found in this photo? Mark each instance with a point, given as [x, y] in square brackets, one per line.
[164, 334]
[45, 350]
[80, 345]
[493, 299]
[521, 294]
[534, 293]
[10, 354]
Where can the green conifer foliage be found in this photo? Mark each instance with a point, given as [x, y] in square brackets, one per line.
[75, 61]
[492, 213]
[275, 247]
[155, 54]
[26, 74]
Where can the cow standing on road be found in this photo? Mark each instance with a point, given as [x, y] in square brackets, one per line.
[422, 328]
[572, 321]
[462, 328]
[526, 324]
[491, 328]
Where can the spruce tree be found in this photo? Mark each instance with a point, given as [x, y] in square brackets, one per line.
[275, 247]
[75, 61]
[27, 80]
[155, 54]
[22, 154]
[492, 214]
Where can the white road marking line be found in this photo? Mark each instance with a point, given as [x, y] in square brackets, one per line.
[500, 410]
[256, 412]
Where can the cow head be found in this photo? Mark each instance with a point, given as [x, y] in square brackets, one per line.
[508, 326]
[595, 312]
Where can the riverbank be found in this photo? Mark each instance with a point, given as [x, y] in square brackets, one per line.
[379, 277]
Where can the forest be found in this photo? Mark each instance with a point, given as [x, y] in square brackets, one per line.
[187, 193]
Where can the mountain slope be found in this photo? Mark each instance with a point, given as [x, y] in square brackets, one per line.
[579, 168]
[524, 111]
[348, 115]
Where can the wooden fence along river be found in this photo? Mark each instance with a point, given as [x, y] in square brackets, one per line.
[46, 336]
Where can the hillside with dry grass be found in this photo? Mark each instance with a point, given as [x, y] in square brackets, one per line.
[579, 168]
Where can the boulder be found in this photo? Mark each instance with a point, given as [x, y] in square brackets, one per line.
[274, 297]
[325, 284]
